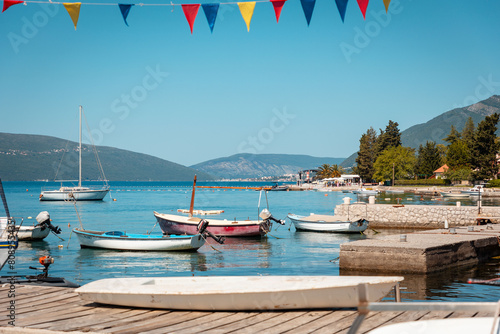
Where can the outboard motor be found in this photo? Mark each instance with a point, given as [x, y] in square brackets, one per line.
[43, 220]
[202, 229]
[266, 215]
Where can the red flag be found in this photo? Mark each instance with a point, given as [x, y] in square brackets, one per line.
[278, 6]
[363, 4]
[191, 11]
[8, 3]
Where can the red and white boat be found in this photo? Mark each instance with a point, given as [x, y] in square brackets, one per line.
[176, 224]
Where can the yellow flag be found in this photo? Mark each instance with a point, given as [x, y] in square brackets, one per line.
[73, 9]
[246, 9]
[386, 3]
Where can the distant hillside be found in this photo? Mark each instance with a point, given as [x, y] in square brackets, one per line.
[34, 157]
[257, 165]
[439, 127]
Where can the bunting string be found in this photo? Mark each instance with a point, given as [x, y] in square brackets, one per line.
[210, 9]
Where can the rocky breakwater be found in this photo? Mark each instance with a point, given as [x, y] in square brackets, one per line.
[418, 216]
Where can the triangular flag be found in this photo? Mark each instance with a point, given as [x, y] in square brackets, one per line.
[342, 5]
[125, 9]
[191, 11]
[386, 3]
[308, 7]
[278, 6]
[211, 10]
[73, 9]
[246, 9]
[363, 4]
[8, 3]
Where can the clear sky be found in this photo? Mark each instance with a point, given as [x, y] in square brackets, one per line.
[154, 88]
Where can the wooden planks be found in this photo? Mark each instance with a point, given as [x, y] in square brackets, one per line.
[61, 310]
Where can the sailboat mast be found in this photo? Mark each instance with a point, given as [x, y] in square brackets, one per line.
[80, 152]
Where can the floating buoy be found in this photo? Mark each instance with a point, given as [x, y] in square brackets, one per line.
[26, 189]
[326, 194]
[114, 199]
[30, 217]
[69, 225]
[60, 246]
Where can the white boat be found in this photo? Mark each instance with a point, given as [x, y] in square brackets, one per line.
[38, 231]
[78, 193]
[478, 325]
[326, 223]
[236, 293]
[118, 240]
[366, 192]
[454, 194]
[476, 190]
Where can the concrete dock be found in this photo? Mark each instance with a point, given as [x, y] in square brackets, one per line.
[422, 252]
[55, 310]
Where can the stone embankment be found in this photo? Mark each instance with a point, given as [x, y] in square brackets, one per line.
[418, 216]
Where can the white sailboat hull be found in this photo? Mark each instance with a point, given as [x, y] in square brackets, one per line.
[236, 293]
[27, 233]
[138, 242]
[70, 194]
[455, 326]
[324, 223]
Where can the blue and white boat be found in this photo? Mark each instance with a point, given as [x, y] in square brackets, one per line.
[119, 240]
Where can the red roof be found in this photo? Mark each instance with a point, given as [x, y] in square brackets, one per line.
[442, 169]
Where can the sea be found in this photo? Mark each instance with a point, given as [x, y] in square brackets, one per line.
[130, 205]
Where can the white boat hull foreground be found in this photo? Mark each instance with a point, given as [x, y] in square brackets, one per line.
[455, 326]
[77, 193]
[236, 293]
[325, 223]
[28, 233]
[118, 240]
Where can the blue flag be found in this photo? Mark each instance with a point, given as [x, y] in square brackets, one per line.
[308, 7]
[341, 5]
[124, 9]
[211, 10]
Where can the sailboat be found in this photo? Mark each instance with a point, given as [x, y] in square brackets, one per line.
[78, 193]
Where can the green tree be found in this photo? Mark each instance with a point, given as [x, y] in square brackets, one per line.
[468, 132]
[458, 155]
[400, 159]
[485, 148]
[366, 155]
[428, 160]
[459, 174]
[391, 137]
[327, 171]
[453, 136]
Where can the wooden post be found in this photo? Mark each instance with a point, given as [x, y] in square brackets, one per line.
[192, 198]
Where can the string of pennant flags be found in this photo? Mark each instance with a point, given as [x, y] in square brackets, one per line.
[210, 9]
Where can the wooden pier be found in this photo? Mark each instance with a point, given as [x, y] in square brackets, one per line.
[52, 310]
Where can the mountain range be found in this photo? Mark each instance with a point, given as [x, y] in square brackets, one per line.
[439, 127]
[247, 165]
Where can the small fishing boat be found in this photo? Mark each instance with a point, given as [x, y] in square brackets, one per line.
[365, 192]
[78, 193]
[38, 231]
[236, 293]
[119, 240]
[176, 224]
[326, 223]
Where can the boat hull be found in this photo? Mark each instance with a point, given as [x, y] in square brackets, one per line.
[29, 233]
[236, 293]
[6, 249]
[322, 224]
[456, 326]
[174, 224]
[137, 242]
[65, 195]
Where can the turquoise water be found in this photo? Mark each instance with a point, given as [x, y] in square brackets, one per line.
[284, 252]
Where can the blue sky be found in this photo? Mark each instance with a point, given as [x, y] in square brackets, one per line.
[154, 88]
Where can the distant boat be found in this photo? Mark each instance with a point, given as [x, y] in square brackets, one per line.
[236, 293]
[118, 240]
[78, 193]
[364, 191]
[454, 194]
[326, 223]
[476, 190]
[277, 187]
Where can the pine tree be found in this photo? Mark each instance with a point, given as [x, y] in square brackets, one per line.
[428, 160]
[366, 155]
[453, 136]
[458, 155]
[391, 137]
[468, 132]
[485, 148]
